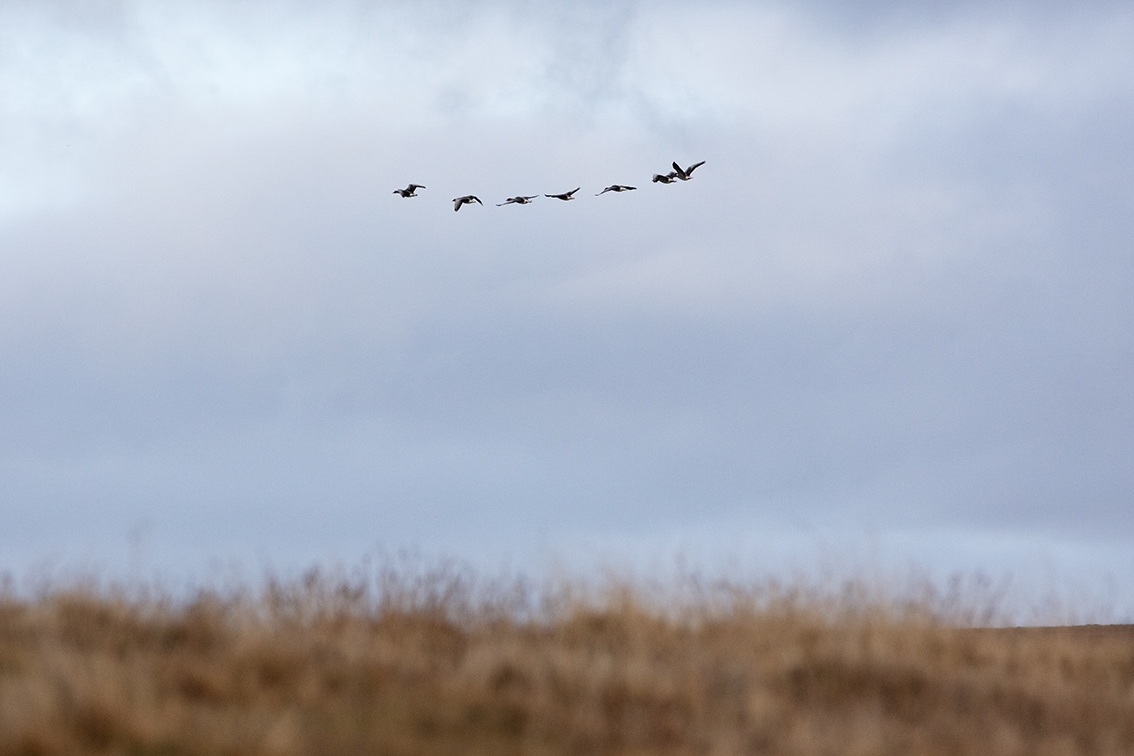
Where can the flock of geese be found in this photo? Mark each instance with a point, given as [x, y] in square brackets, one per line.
[677, 174]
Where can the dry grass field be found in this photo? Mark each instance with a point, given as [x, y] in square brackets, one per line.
[433, 664]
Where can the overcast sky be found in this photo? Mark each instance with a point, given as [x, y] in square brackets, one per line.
[891, 317]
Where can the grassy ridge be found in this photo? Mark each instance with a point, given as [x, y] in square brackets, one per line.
[432, 665]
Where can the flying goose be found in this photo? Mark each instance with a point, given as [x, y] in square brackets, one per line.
[409, 191]
[518, 200]
[468, 199]
[565, 195]
[617, 188]
[664, 178]
[685, 173]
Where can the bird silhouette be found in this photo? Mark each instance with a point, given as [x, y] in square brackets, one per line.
[565, 195]
[468, 199]
[617, 188]
[685, 173]
[664, 178]
[517, 200]
[409, 191]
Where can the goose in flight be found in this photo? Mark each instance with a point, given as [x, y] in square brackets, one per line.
[565, 195]
[409, 191]
[518, 200]
[617, 188]
[468, 199]
[685, 173]
[664, 178]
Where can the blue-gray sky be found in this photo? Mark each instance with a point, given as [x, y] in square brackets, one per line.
[893, 311]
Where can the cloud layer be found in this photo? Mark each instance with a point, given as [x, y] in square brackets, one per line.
[896, 298]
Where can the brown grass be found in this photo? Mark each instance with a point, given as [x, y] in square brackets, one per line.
[435, 664]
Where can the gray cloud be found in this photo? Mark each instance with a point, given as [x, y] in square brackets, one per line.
[894, 299]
